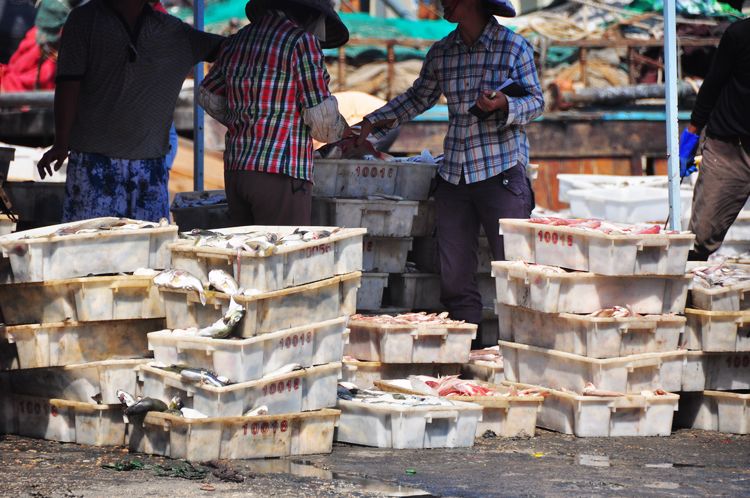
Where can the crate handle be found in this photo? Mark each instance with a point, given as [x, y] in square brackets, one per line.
[428, 332]
[649, 325]
[644, 363]
[446, 414]
[195, 346]
[372, 211]
[655, 242]
[210, 255]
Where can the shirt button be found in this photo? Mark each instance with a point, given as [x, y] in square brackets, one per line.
[505, 181]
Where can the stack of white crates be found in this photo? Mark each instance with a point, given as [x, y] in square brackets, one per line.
[380, 196]
[76, 321]
[717, 368]
[283, 360]
[550, 340]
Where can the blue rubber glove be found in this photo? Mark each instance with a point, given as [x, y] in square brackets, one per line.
[688, 148]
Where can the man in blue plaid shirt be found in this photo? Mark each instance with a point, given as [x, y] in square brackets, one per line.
[488, 76]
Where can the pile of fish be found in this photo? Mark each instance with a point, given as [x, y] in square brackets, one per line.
[601, 226]
[491, 355]
[199, 376]
[591, 390]
[533, 266]
[421, 318]
[615, 312]
[720, 275]
[138, 407]
[97, 226]
[256, 243]
[350, 392]
[347, 148]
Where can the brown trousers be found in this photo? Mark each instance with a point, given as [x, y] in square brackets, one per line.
[721, 191]
[257, 198]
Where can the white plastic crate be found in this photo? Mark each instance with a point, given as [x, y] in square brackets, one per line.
[605, 416]
[370, 293]
[720, 411]
[559, 370]
[424, 221]
[421, 291]
[568, 182]
[68, 421]
[506, 416]
[519, 284]
[631, 204]
[391, 343]
[487, 371]
[302, 390]
[118, 297]
[734, 297]
[358, 179]
[242, 360]
[425, 255]
[363, 374]
[385, 254]
[39, 255]
[6, 225]
[597, 252]
[740, 229]
[71, 343]
[590, 336]
[716, 371]
[269, 311]
[387, 425]
[95, 382]
[269, 436]
[338, 254]
[381, 218]
[717, 330]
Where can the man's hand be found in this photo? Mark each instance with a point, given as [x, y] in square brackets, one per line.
[491, 101]
[56, 155]
[366, 128]
[688, 147]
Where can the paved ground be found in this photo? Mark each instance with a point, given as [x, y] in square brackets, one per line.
[690, 462]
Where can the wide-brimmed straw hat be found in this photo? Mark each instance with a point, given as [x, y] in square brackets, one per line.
[337, 33]
[502, 8]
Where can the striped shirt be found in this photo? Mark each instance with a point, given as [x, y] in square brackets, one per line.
[476, 149]
[269, 72]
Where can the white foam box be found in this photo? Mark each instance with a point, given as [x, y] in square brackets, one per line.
[716, 371]
[533, 287]
[381, 218]
[302, 390]
[630, 204]
[594, 251]
[417, 343]
[569, 181]
[606, 416]
[267, 312]
[506, 416]
[242, 360]
[595, 337]
[269, 436]
[39, 255]
[364, 374]
[370, 293]
[487, 371]
[721, 411]
[387, 425]
[71, 343]
[359, 179]
[421, 291]
[68, 421]
[338, 254]
[385, 254]
[717, 330]
[559, 370]
[92, 382]
[730, 298]
[87, 299]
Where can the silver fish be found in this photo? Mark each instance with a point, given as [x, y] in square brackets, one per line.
[289, 367]
[224, 325]
[255, 412]
[145, 405]
[180, 279]
[223, 282]
[202, 377]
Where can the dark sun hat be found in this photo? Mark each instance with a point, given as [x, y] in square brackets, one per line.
[502, 8]
[337, 33]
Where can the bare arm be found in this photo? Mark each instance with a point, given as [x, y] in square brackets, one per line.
[66, 104]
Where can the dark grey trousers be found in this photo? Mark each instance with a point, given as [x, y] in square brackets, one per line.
[257, 198]
[461, 209]
[721, 191]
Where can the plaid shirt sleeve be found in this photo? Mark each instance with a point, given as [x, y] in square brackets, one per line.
[312, 77]
[523, 110]
[423, 94]
[214, 82]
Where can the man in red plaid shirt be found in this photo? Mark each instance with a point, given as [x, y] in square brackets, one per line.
[269, 86]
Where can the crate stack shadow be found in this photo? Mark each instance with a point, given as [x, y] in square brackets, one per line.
[716, 388]
[76, 319]
[282, 360]
[605, 375]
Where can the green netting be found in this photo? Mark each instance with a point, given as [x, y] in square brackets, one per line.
[710, 8]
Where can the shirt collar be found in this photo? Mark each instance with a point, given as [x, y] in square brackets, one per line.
[487, 38]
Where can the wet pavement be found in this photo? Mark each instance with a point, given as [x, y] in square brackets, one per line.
[688, 463]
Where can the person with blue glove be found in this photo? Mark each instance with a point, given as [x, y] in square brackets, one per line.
[723, 109]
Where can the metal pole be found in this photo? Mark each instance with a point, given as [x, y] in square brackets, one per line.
[197, 109]
[670, 82]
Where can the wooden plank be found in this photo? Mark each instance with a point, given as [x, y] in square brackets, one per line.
[181, 176]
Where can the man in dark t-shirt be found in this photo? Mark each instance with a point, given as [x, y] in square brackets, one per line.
[723, 109]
